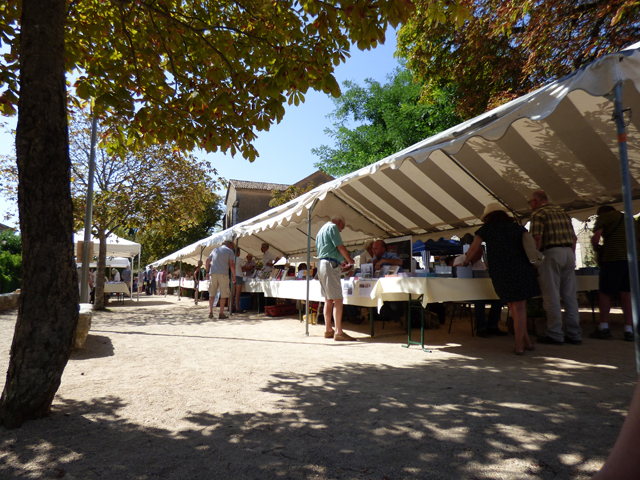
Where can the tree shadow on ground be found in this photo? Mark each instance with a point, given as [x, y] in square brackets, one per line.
[95, 346]
[452, 418]
[180, 315]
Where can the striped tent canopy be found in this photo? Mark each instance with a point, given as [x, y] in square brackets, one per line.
[560, 138]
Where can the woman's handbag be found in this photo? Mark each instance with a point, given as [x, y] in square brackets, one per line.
[535, 257]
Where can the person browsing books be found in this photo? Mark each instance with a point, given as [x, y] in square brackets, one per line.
[333, 257]
[249, 267]
[220, 262]
[382, 257]
[553, 233]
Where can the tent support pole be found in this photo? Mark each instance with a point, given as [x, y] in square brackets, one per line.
[139, 278]
[88, 218]
[180, 281]
[306, 306]
[628, 217]
[197, 290]
[232, 299]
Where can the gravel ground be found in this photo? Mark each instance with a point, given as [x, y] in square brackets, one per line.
[162, 392]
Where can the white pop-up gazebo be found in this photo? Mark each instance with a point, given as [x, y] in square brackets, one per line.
[116, 247]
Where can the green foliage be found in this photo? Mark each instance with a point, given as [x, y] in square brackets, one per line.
[387, 119]
[506, 48]
[10, 261]
[163, 237]
[135, 188]
[10, 241]
[280, 198]
[206, 74]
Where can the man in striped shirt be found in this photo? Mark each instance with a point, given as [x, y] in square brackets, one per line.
[553, 233]
[614, 269]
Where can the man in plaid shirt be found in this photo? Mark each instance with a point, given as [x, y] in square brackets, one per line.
[553, 233]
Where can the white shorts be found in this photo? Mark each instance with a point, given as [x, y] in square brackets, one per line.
[330, 280]
[218, 280]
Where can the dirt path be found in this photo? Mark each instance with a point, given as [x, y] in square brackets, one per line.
[160, 391]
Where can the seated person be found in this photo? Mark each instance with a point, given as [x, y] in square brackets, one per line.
[302, 271]
[382, 257]
[392, 311]
[366, 255]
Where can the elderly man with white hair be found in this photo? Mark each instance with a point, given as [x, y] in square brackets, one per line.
[333, 257]
[220, 262]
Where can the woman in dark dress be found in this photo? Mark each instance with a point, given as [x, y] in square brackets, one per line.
[514, 278]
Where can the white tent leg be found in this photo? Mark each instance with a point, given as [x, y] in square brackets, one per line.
[138, 286]
[306, 324]
[180, 281]
[629, 221]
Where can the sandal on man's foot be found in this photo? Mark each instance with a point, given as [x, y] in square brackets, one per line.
[343, 337]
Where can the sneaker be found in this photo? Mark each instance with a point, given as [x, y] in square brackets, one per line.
[571, 341]
[628, 337]
[549, 341]
[210, 315]
[222, 316]
[601, 333]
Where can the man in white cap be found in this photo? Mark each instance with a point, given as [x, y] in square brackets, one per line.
[220, 262]
[333, 257]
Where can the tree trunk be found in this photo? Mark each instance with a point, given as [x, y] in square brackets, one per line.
[98, 303]
[48, 308]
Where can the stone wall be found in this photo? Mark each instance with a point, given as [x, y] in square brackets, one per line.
[84, 324]
[9, 301]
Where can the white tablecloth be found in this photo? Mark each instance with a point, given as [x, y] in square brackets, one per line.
[118, 287]
[202, 286]
[387, 289]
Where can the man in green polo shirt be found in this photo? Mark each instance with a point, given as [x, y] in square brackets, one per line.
[614, 269]
[333, 257]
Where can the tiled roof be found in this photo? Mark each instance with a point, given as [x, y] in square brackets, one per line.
[243, 184]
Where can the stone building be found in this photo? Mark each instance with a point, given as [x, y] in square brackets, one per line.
[252, 198]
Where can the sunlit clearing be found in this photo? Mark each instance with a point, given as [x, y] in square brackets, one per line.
[570, 458]
[527, 439]
[564, 363]
[456, 434]
[522, 406]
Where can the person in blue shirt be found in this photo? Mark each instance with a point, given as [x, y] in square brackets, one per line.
[382, 257]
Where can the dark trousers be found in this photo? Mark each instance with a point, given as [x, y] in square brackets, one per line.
[494, 315]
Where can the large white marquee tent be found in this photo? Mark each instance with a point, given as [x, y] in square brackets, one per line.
[560, 138]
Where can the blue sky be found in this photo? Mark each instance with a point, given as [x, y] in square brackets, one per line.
[285, 150]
